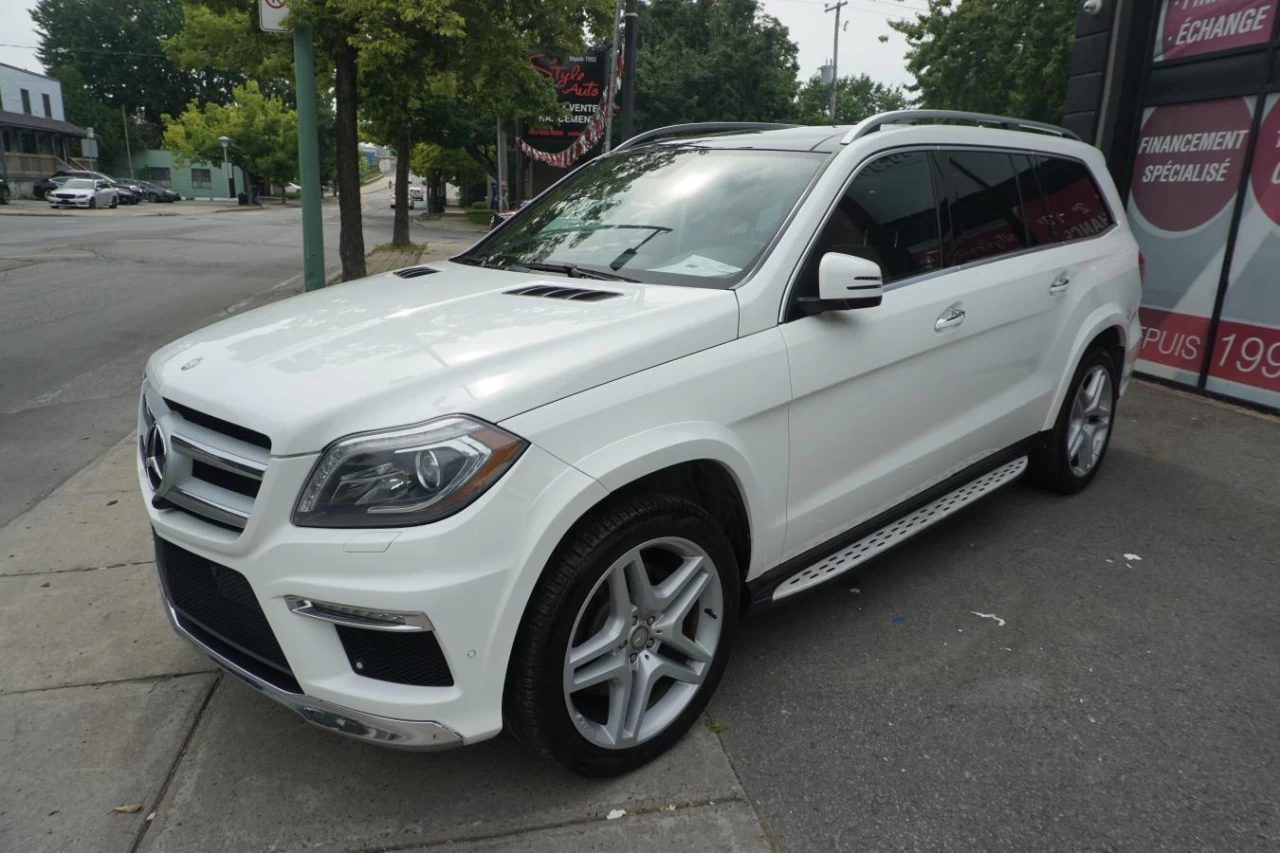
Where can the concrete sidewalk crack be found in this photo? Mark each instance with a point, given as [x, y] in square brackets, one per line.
[173, 766]
[769, 838]
[138, 679]
[80, 569]
[542, 827]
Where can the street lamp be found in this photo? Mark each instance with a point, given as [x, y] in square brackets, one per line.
[226, 167]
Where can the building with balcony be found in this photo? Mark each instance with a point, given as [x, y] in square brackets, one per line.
[35, 138]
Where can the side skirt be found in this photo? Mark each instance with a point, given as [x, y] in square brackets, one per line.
[854, 547]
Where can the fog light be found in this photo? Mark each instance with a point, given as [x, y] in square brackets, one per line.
[373, 619]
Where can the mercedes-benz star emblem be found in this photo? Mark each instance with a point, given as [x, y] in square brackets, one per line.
[155, 453]
[192, 363]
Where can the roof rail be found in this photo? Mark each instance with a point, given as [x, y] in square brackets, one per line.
[874, 123]
[701, 127]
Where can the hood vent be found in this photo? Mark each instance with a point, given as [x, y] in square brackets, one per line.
[576, 294]
[414, 272]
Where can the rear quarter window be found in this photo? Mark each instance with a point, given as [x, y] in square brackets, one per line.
[1071, 198]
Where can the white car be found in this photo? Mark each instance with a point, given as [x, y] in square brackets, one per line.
[537, 485]
[391, 200]
[84, 192]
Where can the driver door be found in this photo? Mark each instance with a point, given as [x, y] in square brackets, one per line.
[877, 392]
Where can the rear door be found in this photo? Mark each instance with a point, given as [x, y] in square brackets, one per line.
[1014, 278]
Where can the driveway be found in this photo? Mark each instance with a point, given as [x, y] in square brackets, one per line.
[1036, 673]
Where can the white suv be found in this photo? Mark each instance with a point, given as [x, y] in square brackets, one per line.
[538, 485]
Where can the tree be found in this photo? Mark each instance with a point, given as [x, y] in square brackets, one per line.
[442, 166]
[1008, 57]
[115, 46]
[715, 60]
[263, 132]
[856, 98]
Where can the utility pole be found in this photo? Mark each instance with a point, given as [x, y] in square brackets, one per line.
[629, 69]
[611, 75]
[835, 55]
[304, 65]
[502, 167]
[124, 121]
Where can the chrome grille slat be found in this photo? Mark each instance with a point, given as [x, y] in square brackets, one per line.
[218, 458]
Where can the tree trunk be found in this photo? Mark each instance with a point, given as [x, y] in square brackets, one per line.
[404, 141]
[351, 230]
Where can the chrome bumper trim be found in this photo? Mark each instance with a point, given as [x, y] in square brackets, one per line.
[370, 728]
[359, 617]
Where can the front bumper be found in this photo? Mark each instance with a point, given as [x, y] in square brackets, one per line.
[75, 202]
[470, 574]
[384, 731]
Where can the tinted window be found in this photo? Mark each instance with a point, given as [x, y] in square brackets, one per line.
[986, 208]
[1035, 216]
[888, 215]
[1071, 198]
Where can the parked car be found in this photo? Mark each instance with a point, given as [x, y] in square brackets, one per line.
[155, 192]
[392, 200]
[537, 485]
[501, 216]
[42, 186]
[417, 193]
[134, 186]
[84, 192]
[4, 191]
[126, 195]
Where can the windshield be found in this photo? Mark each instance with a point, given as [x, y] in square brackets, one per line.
[699, 217]
[78, 184]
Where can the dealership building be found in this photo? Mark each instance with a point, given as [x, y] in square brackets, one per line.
[1183, 97]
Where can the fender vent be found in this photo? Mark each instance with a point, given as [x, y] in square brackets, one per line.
[414, 272]
[577, 294]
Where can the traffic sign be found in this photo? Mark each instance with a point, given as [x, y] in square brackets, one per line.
[271, 15]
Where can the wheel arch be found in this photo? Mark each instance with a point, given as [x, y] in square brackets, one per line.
[1108, 327]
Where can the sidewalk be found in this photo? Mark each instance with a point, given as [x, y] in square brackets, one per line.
[104, 707]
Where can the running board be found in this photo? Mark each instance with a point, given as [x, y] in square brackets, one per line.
[904, 528]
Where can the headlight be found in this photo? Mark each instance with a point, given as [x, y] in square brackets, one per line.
[407, 476]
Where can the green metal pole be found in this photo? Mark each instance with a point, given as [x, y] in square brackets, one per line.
[304, 69]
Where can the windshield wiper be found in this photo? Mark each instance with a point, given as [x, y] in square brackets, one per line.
[569, 270]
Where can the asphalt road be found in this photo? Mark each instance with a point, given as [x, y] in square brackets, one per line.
[85, 298]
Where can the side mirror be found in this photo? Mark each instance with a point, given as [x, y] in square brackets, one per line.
[845, 282]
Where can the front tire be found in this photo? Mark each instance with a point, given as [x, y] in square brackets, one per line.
[115, 202]
[625, 636]
[1076, 447]
[93, 204]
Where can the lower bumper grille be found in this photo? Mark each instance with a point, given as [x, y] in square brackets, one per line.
[217, 606]
[403, 658]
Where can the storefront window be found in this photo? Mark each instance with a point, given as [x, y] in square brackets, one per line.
[1188, 169]
[1192, 27]
[1246, 353]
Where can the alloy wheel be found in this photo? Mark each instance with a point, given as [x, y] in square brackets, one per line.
[642, 642]
[1089, 423]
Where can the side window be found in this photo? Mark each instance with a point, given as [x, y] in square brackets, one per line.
[889, 214]
[1071, 198]
[985, 207]
[1035, 216]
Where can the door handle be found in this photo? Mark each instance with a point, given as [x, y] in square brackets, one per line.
[950, 318]
[1060, 283]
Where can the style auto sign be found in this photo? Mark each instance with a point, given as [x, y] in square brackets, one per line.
[1193, 27]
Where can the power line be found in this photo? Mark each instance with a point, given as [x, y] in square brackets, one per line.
[86, 50]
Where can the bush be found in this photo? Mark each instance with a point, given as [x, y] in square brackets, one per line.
[479, 205]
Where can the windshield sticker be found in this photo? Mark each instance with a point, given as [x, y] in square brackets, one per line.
[698, 265]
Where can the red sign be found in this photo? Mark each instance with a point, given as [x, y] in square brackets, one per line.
[1190, 158]
[1266, 166]
[1247, 354]
[1192, 27]
[1172, 339]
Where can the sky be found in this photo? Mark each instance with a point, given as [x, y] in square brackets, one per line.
[862, 22]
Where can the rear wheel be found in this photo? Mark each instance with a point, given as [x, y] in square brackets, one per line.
[1082, 433]
[4, 195]
[625, 637]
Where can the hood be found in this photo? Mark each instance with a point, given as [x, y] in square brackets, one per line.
[388, 351]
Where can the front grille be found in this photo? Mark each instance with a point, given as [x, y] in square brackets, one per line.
[218, 607]
[248, 436]
[216, 467]
[404, 658]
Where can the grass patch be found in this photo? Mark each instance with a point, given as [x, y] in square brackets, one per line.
[715, 726]
[387, 247]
